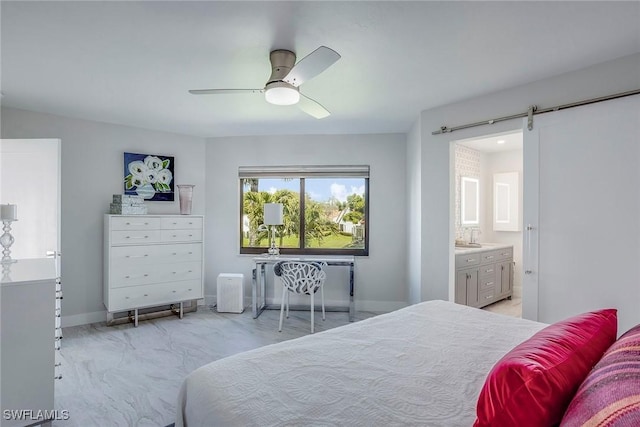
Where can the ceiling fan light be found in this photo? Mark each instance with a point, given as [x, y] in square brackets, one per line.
[282, 95]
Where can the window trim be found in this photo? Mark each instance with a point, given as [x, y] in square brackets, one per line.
[302, 172]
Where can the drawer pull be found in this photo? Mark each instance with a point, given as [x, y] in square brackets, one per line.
[136, 256]
[58, 377]
[126, 297]
[190, 253]
[175, 235]
[470, 259]
[146, 295]
[134, 277]
[190, 289]
[137, 237]
[137, 223]
[488, 297]
[190, 223]
[175, 223]
[488, 284]
[489, 257]
[489, 270]
[173, 292]
[505, 254]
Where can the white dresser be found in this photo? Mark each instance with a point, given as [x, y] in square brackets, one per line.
[152, 260]
[27, 328]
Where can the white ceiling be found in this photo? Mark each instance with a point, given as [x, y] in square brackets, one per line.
[133, 62]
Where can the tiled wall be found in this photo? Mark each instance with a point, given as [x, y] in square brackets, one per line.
[467, 163]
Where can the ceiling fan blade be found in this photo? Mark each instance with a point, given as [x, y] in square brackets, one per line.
[219, 91]
[312, 108]
[311, 65]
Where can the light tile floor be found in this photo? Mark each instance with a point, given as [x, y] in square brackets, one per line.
[512, 307]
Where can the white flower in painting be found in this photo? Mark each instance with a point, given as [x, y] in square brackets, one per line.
[137, 168]
[164, 176]
[151, 176]
[153, 163]
[137, 181]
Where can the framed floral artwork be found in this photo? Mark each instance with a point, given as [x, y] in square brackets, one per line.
[149, 176]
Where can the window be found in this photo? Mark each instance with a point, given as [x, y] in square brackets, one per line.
[325, 209]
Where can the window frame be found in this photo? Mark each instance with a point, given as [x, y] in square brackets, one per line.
[301, 173]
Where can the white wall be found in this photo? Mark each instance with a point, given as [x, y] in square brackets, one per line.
[92, 171]
[436, 269]
[380, 277]
[505, 161]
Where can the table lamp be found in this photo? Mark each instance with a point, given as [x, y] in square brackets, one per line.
[272, 218]
[8, 214]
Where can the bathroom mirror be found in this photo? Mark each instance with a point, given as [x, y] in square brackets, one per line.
[506, 215]
[469, 201]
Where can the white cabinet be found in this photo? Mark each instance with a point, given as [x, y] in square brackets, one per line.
[152, 260]
[28, 331]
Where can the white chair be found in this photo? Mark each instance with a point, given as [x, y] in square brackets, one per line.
[300, 277]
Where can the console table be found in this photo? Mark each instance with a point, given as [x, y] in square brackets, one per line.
[258, 294]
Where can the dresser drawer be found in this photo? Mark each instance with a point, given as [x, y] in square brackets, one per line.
[137, 275]
[466, 260]
[150, 295]
[135, 237]
[123, 256]
[181, 235]
[185, 222]
[135, 223]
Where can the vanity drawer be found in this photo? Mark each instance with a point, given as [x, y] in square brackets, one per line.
[186, 222]
[505, 253]
[466, 260]
[490, 256]
[487, 297]
[134, 223]
[487, 284]
[488, 270]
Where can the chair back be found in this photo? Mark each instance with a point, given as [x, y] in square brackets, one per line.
[301, 277]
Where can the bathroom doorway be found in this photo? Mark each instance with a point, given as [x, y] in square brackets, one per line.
[487, 176]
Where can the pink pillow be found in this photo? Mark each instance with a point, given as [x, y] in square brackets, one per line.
[533, 383]
[610, 395]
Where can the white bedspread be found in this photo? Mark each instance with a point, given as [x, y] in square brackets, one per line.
[422, 365]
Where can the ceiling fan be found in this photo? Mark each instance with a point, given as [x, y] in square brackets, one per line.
[282, 88]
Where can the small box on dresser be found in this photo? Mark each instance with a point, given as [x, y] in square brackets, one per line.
[152, 260]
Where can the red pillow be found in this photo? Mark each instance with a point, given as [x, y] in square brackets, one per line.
[533, 384]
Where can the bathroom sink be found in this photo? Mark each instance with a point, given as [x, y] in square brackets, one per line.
[468, 245]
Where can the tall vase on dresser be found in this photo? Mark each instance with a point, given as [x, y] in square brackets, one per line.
[185, 194]
[152, 261]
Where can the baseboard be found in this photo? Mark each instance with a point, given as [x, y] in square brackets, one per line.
[83, 319]
[380, 306]
[374, 306]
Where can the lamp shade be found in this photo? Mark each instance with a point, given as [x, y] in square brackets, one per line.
[273, 213]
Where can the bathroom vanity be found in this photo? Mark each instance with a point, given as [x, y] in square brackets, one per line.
[484, 274]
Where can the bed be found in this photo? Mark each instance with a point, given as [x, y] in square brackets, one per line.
[424, 364]
[431, 364]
